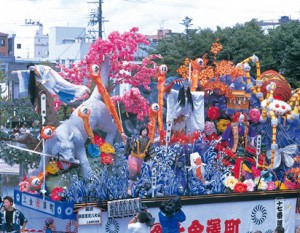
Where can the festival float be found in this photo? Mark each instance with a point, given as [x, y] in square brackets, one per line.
[224, 141]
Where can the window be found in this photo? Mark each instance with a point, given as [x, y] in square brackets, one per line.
[2, 42]
[18, 46]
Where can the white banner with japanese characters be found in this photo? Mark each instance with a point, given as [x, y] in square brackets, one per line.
[230, 217]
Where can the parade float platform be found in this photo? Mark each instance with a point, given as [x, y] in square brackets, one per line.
[247, 211]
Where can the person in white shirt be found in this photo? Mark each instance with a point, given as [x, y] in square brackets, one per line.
[138, 224]
[24, 130]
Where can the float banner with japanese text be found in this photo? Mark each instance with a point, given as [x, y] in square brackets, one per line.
[230, 217]
[241, 217]
[59, 209]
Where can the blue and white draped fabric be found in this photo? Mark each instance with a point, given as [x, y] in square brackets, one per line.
[284, 154]
[23, 76]
[56, 84]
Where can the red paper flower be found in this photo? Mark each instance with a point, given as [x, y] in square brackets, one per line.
[240, 187]
[98, 140]
[106, 159]
[213, 113]
[255, 171]
[56, 194]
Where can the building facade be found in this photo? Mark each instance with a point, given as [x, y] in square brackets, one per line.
[30, 42]
[3, 44]
[67, 44]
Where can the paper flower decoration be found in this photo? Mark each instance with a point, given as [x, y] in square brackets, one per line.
[24, 186]
[107, 148]
[240, 187]
[106, 159]
[230, 182]
[250, 184]
[213, 113]
[254, 115]
[93, 150]
[222, 125]
[209, 128]
[57, 194]
[52, 167]
[98, 140]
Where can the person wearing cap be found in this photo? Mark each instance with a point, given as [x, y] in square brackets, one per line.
[12, 220]
[49, 225]
[170, 215]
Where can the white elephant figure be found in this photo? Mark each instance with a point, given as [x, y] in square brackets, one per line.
[70, 137]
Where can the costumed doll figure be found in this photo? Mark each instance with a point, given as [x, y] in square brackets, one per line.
[141, 149]
[186, 109]
[210, 131]
[212, 135]
[55, 84]
[239, 132]
[238, 135]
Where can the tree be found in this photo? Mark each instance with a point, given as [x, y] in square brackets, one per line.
[283, 46]
[277, 49]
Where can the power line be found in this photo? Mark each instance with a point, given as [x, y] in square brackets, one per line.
[71, 45]
[98, 17]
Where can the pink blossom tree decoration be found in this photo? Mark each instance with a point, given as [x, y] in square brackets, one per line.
[120, 49]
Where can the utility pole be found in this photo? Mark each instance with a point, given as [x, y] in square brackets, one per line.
[98, 16]
[100, 19]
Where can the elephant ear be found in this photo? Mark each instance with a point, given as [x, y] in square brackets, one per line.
[105, 69]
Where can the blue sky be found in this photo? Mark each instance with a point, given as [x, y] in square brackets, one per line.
[147, 15]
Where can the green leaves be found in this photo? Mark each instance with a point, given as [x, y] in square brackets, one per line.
[14, 156]
[277, 48]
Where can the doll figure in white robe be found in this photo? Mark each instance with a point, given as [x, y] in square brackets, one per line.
[55, 84]
[186, 109]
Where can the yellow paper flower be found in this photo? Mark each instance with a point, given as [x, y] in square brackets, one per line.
[222, 125]
[52, 168]
[262, 185]
[282, 185]
[107, 148]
